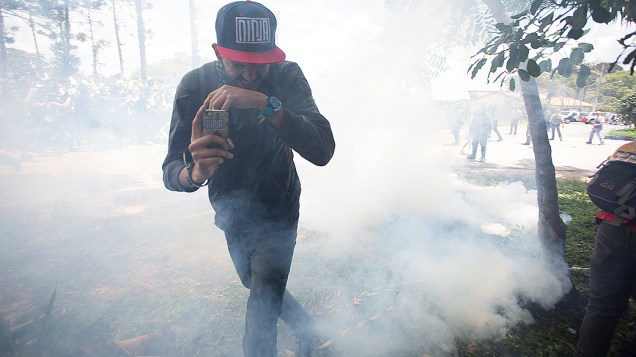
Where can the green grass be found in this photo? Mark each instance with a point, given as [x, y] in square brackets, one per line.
[629, 133]
[554, 332]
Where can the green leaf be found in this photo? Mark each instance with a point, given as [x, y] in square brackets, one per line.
[546, 21]
[536, 44]
[513, 59]
[502, 73]
[533, 68]
[512, 85]
[523, 53]
[601, 15]
[519, 15]
[565, 67]
[585, 70]
[546, 65]
[584, 73]
[631, 56]
[535, 7]
[497, 62]
[577, 56]
[531, 37]
[575, 34]
[578, 18]
[524, 75]
[503, 27]
[492, 50]
[586, 47]
[478, 66]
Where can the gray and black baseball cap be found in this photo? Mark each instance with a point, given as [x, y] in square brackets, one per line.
[246, 32]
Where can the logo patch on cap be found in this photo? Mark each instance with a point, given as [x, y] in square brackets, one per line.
[251, 30]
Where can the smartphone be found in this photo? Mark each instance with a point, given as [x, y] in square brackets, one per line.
[215, 122]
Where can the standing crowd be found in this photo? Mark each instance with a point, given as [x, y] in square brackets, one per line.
[40, 114]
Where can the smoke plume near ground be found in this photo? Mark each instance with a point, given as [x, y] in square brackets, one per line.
[443, 258]
[397, 255]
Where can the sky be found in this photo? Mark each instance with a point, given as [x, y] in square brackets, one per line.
[318, 34]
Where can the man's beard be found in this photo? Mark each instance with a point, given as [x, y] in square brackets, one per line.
[236, 82]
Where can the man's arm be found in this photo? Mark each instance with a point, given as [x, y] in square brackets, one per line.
[300, 125]
[183, 112]
[192, 156]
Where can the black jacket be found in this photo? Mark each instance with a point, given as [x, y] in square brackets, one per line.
[260, 183]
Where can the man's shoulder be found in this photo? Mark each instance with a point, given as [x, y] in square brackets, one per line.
[192, 80]
[196, 72]
[287, 68]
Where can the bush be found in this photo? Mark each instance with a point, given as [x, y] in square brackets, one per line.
[625, 134]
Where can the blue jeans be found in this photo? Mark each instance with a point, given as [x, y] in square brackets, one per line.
[556, 128]
[482, 141]
[597, 131]
[262, 259]
[612, 282]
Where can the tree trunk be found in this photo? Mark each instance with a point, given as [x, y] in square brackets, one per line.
[93, 44]
[66, 36]
[193, 35]
[141, 34]
[551, 227]
[35, 39]
[119, 51]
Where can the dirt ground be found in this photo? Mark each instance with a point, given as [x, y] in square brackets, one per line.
[98, 259]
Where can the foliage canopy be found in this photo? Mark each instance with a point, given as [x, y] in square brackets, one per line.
[527, 43]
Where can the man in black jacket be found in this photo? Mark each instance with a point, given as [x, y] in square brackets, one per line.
[252, 181]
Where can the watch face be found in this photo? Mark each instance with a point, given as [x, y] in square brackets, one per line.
[275, 103]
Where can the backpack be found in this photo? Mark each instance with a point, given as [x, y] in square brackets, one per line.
[613, 187]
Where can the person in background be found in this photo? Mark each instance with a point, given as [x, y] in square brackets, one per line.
[456, 125]
[495, 122]
[479, 129]
[515, 116]
[556, 122]
[528, 135]
[597, 127]
[251, 178]
[612, 278]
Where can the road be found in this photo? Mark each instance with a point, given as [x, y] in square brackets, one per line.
[571, 157]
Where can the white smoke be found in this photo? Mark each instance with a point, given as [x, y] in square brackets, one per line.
[449, 259]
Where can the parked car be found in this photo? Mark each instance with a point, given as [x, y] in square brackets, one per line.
[593, 117]
[613, 118]
[569, 116]
[583, 117]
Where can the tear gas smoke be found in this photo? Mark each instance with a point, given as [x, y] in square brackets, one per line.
[399, 224]
[394, 248]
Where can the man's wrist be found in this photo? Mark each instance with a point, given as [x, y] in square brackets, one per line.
[189, 168]
[196, 178]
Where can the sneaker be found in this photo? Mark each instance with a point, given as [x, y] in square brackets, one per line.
[470, 157]
[587, 142]
[483, 159]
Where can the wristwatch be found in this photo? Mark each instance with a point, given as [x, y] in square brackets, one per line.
[273, 105]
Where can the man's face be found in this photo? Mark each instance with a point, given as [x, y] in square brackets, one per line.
[244, 75]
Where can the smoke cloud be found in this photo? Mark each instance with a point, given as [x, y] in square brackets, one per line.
[397, 254]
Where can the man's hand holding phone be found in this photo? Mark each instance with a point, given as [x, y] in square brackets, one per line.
[209, 149]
